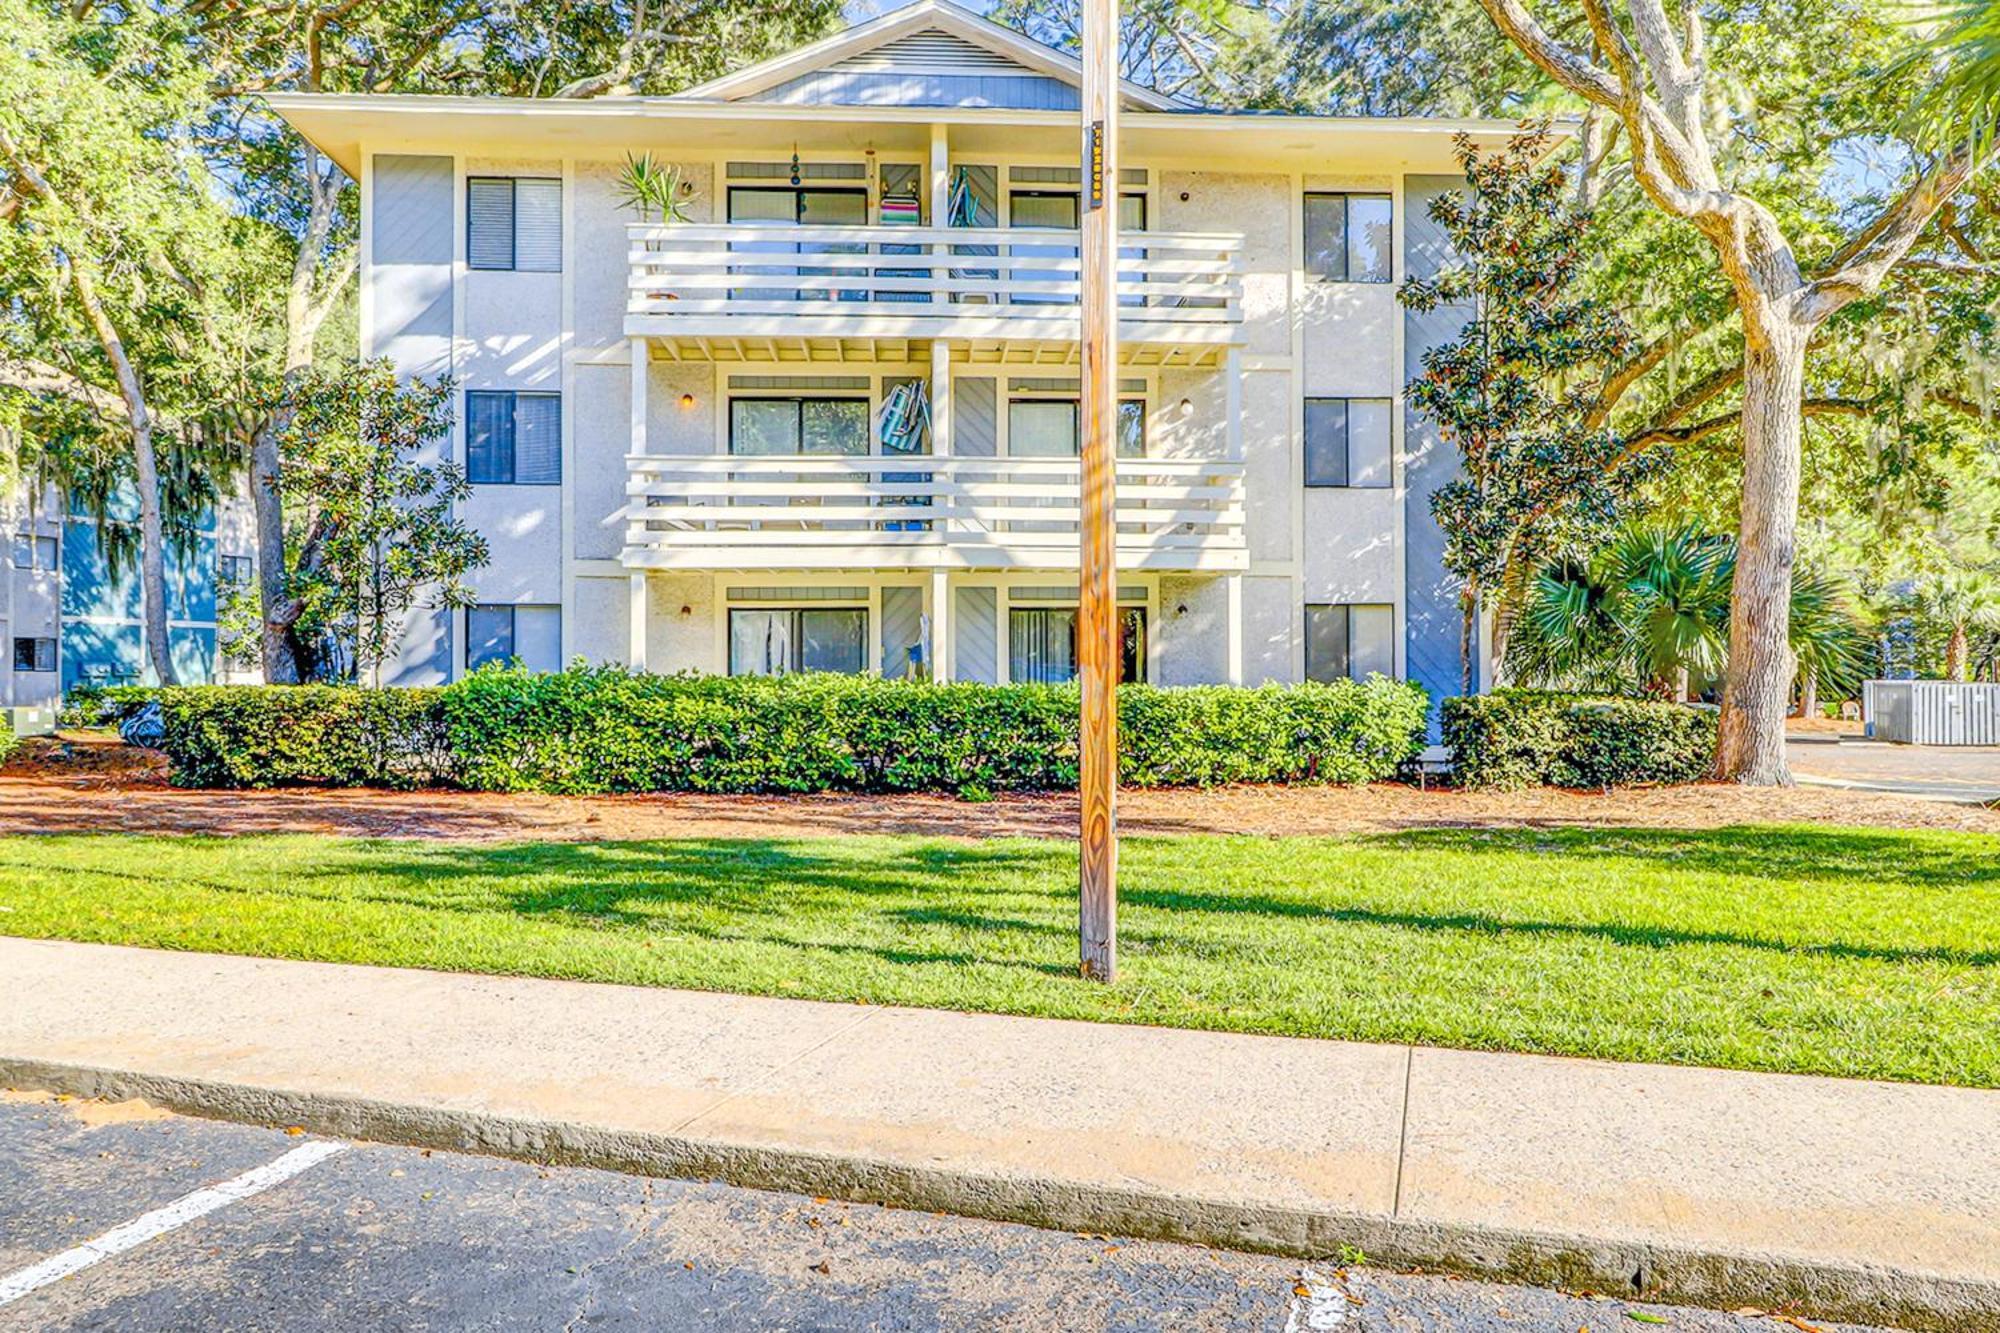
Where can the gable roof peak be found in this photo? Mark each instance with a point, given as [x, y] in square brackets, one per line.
[925, 18]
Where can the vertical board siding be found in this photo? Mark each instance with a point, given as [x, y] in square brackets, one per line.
[975, 636]
[976, 421]
[835, 87]
[902, 629]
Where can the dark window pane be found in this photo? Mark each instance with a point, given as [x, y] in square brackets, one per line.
[1132, 644]
[834, 426]
[489, 635]
[489, 218]
[1041, 645]
[1326, 643]
[1371, 238]
[489, 438]
[1326, 441]
[833, 640]
[1326, 236]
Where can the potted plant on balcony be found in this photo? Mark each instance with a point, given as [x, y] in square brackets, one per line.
[655, 192]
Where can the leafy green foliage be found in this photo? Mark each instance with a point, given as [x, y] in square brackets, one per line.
[1651, 613]
[372, 529]
[1512, 393]
[606, 729]
[1521, 738]
[8, 740]
[275, 736]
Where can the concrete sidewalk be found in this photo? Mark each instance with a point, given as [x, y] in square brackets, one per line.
[1867, 1201]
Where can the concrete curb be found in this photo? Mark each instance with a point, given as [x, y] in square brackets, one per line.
[1721, 1279]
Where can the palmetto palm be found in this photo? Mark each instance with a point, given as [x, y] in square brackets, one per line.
[1652, 610]
[1961, 104]
[1829, 643]
[1674, 602]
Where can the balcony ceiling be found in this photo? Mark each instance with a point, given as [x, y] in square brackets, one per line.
[893, 349]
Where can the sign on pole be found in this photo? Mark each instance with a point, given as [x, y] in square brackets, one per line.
[1097, 594]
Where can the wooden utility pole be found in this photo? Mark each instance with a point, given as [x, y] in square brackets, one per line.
[1097, 594]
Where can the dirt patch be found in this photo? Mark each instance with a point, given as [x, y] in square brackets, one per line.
[138, 801]
[86, 759]
[93, 1113]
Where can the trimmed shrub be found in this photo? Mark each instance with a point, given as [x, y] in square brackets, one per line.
[292, 735]
[605, 729]
[8, 740]
[1521, 738]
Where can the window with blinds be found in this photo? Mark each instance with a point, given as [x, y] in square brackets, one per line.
[513, 439]
[514, 222]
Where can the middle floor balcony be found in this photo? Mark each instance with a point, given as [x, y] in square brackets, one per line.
[739, 291]
[922, 512]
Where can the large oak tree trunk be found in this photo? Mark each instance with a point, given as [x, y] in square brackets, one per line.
[1756, 690]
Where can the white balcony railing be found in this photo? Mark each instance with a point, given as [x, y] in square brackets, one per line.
[722, 511]
[988, 281]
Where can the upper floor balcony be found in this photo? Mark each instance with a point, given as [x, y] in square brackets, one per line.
[918, 511]
[699, 288]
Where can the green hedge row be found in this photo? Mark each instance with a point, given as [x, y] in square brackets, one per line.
[8, 740]
[1522, 738]
[605, 729]
[293, 735]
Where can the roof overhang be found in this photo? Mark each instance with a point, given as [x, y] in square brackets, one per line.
[341, 125]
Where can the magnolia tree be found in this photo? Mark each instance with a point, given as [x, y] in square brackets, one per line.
[1647, 69]
[370, 514]
[1514, 392]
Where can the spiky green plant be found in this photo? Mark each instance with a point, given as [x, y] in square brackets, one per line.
[651, 190]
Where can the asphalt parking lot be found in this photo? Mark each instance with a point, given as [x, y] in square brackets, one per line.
[124, 1217]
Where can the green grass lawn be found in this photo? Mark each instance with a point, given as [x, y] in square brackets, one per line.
[1810, 949]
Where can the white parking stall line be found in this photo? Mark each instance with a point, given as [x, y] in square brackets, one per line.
[162, 1220]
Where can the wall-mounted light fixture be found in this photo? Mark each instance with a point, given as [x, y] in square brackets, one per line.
[686, 611]
[687, 401]
[1184, 196]
[1187, 407]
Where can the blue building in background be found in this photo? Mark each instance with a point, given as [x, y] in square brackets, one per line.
[102, 628]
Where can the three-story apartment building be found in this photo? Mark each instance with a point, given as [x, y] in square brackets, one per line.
[830, 421]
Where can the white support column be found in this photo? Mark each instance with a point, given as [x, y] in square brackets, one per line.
[940, 183]
[635, 652]
[1233, 589]
[1232, 411]
[939, 648]
[941, 435]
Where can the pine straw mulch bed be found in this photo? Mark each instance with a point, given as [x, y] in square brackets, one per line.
[83, 783]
